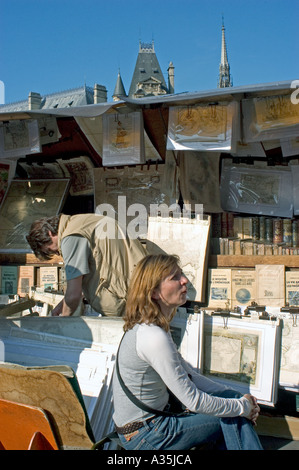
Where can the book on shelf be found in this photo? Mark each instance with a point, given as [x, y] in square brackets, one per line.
[243, 287]
[227, 246]
[62, 283]
[216, 225]
[238, 227]
[223, 224]
[219, 288]
[247, 227]
[292, 288]
[270, 285]
[49, 277]
[25, 280]
[256, 228]
[224, 228]
[9, 280]
[249, 247]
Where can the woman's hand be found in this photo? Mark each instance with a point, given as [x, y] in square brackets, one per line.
[255, 410]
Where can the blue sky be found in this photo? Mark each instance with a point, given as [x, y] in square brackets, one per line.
[54, 45]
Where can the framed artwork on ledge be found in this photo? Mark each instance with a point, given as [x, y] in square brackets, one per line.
[244, 355]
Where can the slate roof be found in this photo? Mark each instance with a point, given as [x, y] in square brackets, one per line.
[70, 98]
[147, 67]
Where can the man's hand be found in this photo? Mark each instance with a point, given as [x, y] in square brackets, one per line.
[71, 300]
[57, 310]
[73, 296]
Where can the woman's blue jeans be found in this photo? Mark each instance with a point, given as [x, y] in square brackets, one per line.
[194, 429]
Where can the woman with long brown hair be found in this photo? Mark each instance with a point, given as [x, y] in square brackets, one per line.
[150, 367]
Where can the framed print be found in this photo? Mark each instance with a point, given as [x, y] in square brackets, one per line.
[289, 361]
[243, 355]
[25, 202]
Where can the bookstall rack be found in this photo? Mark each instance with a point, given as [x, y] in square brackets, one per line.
[234, 153]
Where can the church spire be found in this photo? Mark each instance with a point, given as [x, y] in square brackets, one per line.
[225, 79]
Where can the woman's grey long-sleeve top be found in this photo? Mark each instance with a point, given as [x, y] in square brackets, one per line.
[149, 363]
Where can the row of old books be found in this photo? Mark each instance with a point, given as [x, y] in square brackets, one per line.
[256, 228]
[18, 280]
[236, 246]
[267, 285]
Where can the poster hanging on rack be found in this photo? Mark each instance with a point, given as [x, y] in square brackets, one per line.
[80, 172]
[48, 130]
[123, 139]
[257, 190]
[211, 127]
[129, 193]
[37, 170]
[270, 118]
[19, 138]
[199, 179]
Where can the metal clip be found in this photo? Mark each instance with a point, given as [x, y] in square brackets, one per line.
[260, 309]
[294, 311]
[225, 314]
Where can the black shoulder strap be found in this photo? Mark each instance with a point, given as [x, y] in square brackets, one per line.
[134, 399]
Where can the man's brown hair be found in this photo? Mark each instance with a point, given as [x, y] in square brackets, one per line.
[38, 237]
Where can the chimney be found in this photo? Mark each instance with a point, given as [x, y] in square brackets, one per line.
[99, 94]
[170, 71]
[34, 100]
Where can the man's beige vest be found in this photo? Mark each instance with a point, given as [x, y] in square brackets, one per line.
[114, 257]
